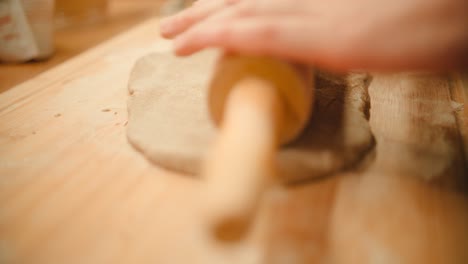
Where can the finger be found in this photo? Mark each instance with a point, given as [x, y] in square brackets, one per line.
[174, 25]
[288, 38]
[196, 18]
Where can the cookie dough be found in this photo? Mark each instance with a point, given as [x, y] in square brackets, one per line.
[169, 121]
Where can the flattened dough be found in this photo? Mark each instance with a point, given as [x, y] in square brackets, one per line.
[169, 121]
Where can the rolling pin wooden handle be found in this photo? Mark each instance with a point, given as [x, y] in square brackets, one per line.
[243, 159]
[258, 103]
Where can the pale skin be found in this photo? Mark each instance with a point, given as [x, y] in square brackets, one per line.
[335, 34]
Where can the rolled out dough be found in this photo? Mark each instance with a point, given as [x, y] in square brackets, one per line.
[169, 121]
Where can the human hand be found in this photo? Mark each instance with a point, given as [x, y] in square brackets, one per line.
[336, 34]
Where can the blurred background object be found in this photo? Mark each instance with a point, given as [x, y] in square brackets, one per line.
[26, 30]
[82, 33]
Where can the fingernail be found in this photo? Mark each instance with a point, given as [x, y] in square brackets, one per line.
[180, 46]
[165, 27]
[179, 43]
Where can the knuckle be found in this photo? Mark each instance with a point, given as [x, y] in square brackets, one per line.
[268, 31]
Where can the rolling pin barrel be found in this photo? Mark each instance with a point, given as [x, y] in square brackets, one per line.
[258, 104]
[293, 83]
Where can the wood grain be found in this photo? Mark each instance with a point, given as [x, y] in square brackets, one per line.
[72, 190]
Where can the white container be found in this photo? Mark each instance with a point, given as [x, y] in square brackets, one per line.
[26, 30]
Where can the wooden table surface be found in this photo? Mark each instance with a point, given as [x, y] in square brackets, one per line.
[72, 190]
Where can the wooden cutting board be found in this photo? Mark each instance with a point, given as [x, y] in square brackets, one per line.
[72, 190]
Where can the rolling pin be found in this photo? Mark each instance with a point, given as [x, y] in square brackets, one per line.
[258, 104]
